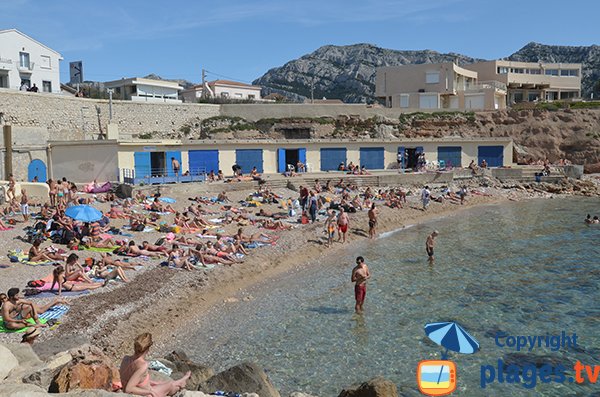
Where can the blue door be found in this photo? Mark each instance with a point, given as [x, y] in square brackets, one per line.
[203, 161]
[142, 164]
[372, 158]
[177, 156]
[331, 158]
[450, 155]
[302, 155]
[248, 158]
[281, 163]
[493, 155]
[37, 168]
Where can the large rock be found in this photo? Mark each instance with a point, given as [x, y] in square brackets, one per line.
[245, 377]
[179, 362]
[376, 387]
[83, 376]
[8, 362]
[300, 394]
[23, 353]
[42, 375]
[10, 389]
[89, 369]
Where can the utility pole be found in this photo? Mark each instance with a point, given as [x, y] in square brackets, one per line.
[312, 90]
[203, 83]
[110, 92]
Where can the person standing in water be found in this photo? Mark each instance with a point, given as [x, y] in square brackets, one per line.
[360, 275]
[430, 243]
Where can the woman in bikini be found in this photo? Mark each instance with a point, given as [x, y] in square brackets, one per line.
[52, 192]
[177, 259]
[106, 273]
[37, 255]
[135, 376]
[59, 278]
[108, 260]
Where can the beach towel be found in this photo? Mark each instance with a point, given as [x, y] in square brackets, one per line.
[54, 313]
[167, 200]
[147, 229]
[49, 294]
[20, 256]
[5, 330]
[96, 249]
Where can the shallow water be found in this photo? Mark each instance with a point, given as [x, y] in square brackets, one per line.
[527, 268]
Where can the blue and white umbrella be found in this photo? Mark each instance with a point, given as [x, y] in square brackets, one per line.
[83, 213]
[451, 336]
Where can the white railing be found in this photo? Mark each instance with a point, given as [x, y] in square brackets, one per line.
[482, 85]
[28, 67]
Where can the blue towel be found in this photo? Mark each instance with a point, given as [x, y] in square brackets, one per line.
[55, 312]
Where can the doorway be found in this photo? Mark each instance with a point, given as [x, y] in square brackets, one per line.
[157, 163]
[291, 157]
[412, 157]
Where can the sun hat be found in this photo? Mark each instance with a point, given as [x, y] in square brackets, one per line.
[31, 333]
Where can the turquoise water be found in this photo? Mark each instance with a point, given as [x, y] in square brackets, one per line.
[528, 268]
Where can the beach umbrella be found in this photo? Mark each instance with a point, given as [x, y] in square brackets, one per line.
[83, 213]
[452, 337]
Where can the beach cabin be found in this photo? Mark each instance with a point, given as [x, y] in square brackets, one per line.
[151, 161]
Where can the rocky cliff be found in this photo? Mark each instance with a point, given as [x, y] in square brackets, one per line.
[348, 72]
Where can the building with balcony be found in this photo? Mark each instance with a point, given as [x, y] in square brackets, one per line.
[145, 90]
[530, 81]
[25, 62]
[437, 86]
[224, 89]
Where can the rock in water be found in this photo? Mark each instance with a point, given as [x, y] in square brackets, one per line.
[7, 363]
[245, 377]
[376, 387]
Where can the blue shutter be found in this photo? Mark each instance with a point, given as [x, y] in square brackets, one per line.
[419, 149]
[302, 155]
[493, 155]
[203, 161]
[248, 158]
[168, 156]
[373, 158]
[331, 158]
[281, 165]
[142, 164]
[450, 155]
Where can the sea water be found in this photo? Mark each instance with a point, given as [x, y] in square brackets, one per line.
[528, 268]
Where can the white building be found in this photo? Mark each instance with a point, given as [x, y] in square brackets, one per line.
[145, 90]
[225, 89]
[24, 60]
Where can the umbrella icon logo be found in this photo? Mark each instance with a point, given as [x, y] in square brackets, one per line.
[438, 377]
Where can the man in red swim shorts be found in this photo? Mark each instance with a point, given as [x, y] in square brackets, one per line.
[360, 275]
[343, 222]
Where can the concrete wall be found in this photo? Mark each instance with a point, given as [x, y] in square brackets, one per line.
[254, 112]
[83, 161]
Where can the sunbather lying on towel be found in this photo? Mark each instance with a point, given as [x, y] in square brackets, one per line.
[108, 273]
[59, 279]
[254, 237]
[179, 260]
[134, 250]
[276, 215]
[108, 260]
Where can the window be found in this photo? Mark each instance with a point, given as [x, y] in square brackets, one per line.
[569, 72]
[552, 72]
[46, 86]
[118, 90]
[251, 96]
[238, 95]
[432, 77]
[502, 70]
[535, 71]
[45, 63]
[403, 100]
[517, 70]
[224, 95]
[24, 59]
[533, 97]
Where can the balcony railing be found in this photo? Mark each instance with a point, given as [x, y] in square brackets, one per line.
[26, 67]
[483, 85]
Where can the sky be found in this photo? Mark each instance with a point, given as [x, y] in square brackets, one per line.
[243, 39]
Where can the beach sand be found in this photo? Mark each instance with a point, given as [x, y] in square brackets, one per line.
[162, 300]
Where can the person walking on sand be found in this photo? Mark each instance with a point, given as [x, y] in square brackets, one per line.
[360, 275]
[330, 227]
[343, 222]
[135, 377]
[373, 221]
[425, 197]
[430, 243]
[10, 193]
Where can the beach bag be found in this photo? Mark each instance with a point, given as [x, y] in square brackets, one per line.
[36, 283]
[304, 219]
